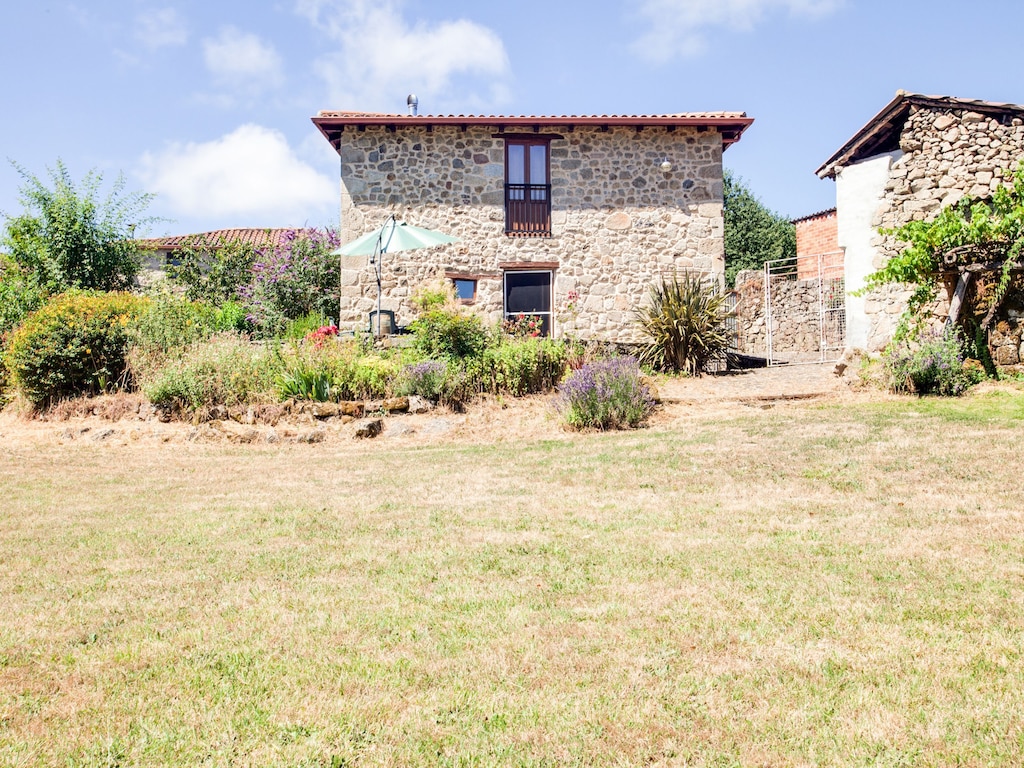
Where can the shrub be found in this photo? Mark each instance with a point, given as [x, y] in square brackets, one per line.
[75, 344]
[223, 370]
[521, 366]
[212, 272]
[935, 365]
[605, 395]
[231, 316]
[449, 333]
[20, 294]
[426, 379]
[171, 322]
[685, 323]
[302, 327]
[73, 237]
[297, 278]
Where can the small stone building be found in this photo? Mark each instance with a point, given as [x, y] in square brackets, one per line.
[545, 208]
[916, 156]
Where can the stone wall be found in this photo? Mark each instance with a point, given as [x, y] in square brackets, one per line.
[946, 154]
[796, 312]
[619, 223]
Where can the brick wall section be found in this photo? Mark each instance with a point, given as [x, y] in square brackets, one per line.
[619, 223]
[817, 246]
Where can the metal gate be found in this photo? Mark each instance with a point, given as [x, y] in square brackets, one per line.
[805, 309]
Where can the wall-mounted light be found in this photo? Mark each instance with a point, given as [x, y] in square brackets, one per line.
[666, 165]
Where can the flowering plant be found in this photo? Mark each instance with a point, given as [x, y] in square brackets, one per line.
[297, 276]
[936, 365]
[522, 325]
[607, 394]
[425, 379]
[320, 336]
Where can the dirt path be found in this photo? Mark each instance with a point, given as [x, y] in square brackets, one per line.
[765, 384]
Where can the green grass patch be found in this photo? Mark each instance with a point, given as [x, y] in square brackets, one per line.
[808, 585]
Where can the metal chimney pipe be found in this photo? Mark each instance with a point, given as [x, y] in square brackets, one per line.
[413, 104]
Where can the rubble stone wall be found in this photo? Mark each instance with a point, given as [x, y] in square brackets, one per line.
[619, 223]
[796, 312]
[946, 154]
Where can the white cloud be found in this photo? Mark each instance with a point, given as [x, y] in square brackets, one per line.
[241, 60]
[679, 27]
[380, 58]
[160, 28]
[250, 176]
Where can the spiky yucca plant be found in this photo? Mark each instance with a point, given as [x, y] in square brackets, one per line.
[685, 322]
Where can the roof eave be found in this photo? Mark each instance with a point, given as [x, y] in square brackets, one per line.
[730, 127]
[894, 115]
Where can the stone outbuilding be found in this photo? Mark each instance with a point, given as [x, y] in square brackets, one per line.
[916, 156]
[569, 218]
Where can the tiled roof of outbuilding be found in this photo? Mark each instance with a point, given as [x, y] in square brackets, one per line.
[254, 236]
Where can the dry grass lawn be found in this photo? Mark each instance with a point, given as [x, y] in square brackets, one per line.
[828, 583]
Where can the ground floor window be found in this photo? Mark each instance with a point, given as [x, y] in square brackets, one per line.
[529, 293]
[465, 290]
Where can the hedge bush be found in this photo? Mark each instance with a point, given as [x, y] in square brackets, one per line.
[73, 345]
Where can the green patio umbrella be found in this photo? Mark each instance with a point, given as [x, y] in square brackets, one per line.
[392, 237]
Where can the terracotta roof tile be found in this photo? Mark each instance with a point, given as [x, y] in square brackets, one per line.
[250, 236]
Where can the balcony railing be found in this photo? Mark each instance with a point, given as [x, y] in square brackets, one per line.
[528, 210]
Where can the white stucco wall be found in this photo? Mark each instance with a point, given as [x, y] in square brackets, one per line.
[860, 191]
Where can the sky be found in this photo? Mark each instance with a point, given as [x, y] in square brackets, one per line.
[207, 105]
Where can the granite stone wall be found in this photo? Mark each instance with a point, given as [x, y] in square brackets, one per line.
[619, 223]
[946, 154]
[797, 323]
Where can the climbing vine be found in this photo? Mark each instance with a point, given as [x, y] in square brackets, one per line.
[973, 230]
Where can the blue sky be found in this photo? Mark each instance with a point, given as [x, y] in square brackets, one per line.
[207, 104]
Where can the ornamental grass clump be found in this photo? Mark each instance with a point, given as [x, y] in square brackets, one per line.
[608, 394]
[935, 365]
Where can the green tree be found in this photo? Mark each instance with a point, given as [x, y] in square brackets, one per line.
[753, 233]
[71, 237]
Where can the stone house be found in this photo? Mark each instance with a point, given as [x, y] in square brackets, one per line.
[916, 156]
[545, 209]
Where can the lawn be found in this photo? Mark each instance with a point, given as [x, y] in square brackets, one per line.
[814, 584]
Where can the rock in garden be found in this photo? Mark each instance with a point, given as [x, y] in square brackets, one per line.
[395, 404]
[370, 428]
[419, 404]
[311, 436]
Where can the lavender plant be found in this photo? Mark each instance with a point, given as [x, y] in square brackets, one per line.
[936, 364]
[426, 379]
[605, 395]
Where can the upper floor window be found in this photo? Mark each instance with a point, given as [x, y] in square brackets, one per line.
[527, 187]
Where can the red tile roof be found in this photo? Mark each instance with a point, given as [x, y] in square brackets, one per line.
[730, 124]
[250, 236]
